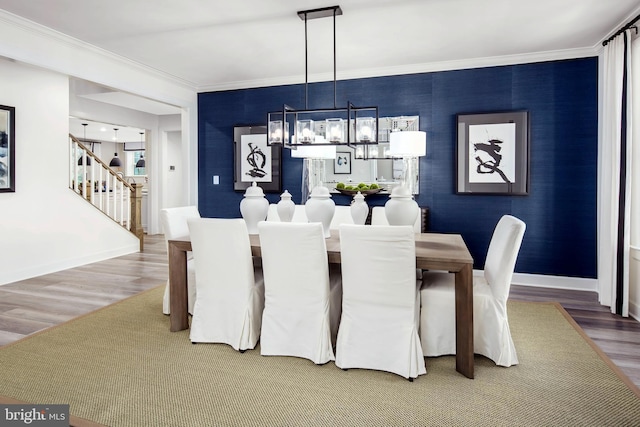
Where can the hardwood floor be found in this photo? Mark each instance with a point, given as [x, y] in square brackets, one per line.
[618, 337]
[38, 303]
[31, 305]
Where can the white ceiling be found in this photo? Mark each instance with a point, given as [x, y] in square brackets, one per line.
[217, 45]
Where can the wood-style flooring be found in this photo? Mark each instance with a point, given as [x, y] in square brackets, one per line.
[31, 305]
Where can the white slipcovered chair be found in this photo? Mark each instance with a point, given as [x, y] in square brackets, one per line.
[492, 336]
[299, 214]
[380, 301]
[300, 316]
[230, 293]
[378, 217]
[342, 215]
[174, 225]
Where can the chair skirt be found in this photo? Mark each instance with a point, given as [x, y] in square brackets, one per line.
[491, 333]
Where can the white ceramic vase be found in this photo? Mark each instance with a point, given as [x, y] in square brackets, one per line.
[320, 208]
[285, 207]
[401, 209]
[254, 207]
[359, 209]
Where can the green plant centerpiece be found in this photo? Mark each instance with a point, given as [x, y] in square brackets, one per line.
[362, 187]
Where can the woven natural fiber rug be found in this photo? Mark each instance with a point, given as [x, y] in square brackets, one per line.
[120, 366]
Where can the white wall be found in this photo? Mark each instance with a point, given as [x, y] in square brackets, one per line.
[46, 227]
[34, 44]
[173, 189]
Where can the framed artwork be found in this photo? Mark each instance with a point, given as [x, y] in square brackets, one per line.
[342, 163]
[7, 149]
[254, 160]
[493, 153]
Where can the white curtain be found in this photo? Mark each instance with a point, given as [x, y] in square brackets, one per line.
[615, 175]
[634, 284]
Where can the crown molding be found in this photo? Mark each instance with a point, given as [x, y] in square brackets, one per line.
[495, 61]
[51, 35]
[8, 20]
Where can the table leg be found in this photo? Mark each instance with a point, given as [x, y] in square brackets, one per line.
[464, 321]
[179, 303]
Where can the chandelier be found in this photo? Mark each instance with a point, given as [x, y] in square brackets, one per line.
[348, 125]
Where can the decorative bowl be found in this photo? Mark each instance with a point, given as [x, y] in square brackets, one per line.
[354, 192]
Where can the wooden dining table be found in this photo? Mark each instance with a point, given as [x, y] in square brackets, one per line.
[434, 251]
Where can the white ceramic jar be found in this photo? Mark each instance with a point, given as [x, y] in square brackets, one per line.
[320, 208]
[401, 209]
[285, 207]
[359, 209]
[254, 207]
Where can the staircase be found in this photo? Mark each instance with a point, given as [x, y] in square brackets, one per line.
[105, 189]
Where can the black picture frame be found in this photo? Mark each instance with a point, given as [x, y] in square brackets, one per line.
[492, 153]
[274, 151]
[342, 163]
[7, 149]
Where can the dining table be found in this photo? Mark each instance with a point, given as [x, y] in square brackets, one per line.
[434, 251]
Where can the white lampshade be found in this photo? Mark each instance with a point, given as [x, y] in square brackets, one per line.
[314, 151]
[408, 144]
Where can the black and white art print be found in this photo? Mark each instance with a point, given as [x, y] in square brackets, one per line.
[254, 160]
[493, 153]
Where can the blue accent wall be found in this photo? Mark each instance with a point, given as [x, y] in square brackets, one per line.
[562, 100]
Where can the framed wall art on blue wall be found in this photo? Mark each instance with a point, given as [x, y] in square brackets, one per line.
[254, 160]
[493, 153]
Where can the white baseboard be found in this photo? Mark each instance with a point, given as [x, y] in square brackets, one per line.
[556, 282]
[553, 282]
[634, 311]
[562, 282]
[39, 270]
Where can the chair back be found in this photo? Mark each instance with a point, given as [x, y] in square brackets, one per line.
[342, 215]
[272, 212]
[378, 266]
[296, 317]
[502, 254]
[225, 283]
[222, 251]
[174, 225]
[294, 260]
[174, 221]
[380, 300]
[299, 215]
[378, 217]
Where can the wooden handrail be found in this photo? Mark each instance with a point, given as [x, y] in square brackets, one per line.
[106, 166]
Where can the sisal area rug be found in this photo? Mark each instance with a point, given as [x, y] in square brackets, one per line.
[120, 366]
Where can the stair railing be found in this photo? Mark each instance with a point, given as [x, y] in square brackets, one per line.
[105, 188]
